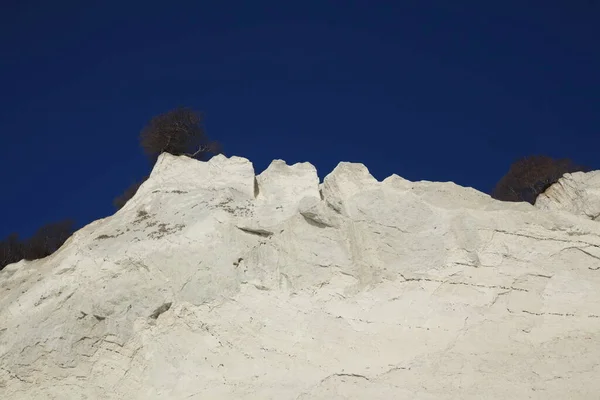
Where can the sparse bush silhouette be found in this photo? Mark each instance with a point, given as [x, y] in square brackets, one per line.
[44, 242]
[11, 250]
[178, 132]
[47, 240]
[122, 199]
[530, 176]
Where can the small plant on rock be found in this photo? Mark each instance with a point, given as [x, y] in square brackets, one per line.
[178, 132]
[530, 176]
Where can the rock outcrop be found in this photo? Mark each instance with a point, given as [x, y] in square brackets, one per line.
[577, 193]
[214, 283]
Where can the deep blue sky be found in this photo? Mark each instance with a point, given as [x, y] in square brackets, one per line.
[436, 90]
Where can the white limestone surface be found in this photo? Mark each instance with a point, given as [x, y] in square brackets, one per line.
[212, 283]
[577, 193]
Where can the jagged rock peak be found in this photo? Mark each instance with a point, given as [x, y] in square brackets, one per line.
[214, 283]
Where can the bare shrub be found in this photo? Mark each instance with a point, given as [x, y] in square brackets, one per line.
[530, 176]
[11, 250]
[44, 242]
[178, 132]
[47, 240]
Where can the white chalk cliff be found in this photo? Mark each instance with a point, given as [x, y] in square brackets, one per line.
[214, 283]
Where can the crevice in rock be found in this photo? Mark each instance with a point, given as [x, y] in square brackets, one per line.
[464, 283]
[543, 238]
[256, 188]
[163, 308]
[584, 252]
[539, 275]
[369, 222]
[15, 376]
[239, 260]
[556, 314]
[334, 208]
[315, 223]
[352, 376]
[255, 231]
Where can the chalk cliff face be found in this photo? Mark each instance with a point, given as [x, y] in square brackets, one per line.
[214, 283]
